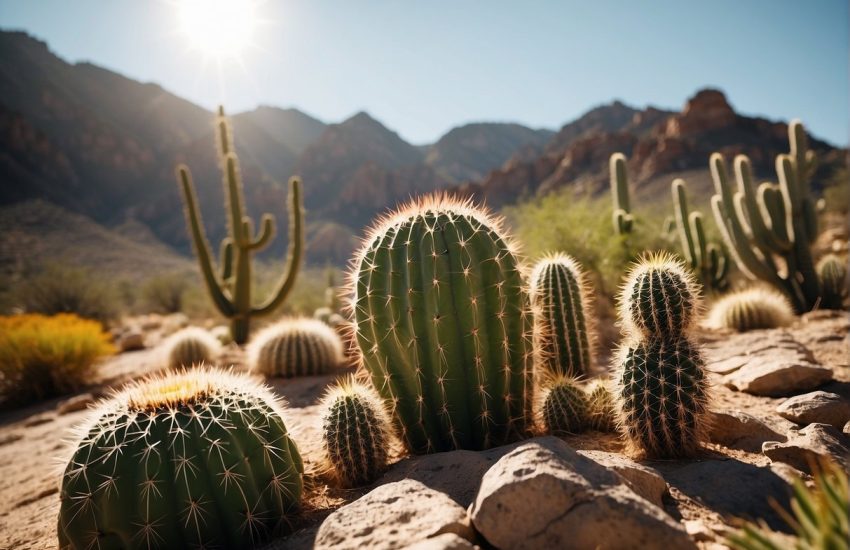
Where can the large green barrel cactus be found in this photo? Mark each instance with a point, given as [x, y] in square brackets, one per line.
[561, 297]
[295, 347]
[230, 286]
[832, 272]
[355, 433]
[444, 326]
[198, 458]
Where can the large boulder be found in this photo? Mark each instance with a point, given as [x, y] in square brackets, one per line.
[818, 407]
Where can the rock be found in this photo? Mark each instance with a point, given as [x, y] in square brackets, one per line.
[174, 322]
[739, 430]
[76, 403]
[816, 407]
[810, 444]
[771, 377]
[446, 541]
[151, 322]
[698, 530]
[753, 344]
[643, 480]
[132, 341]
[543, 494]
[394, 515]
[846, 428]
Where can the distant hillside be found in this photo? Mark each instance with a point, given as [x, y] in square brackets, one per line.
[290, 127]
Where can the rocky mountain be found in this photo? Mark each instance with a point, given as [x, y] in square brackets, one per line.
[290, 127]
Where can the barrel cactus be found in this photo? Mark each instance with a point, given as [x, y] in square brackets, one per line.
[443, 322]
[295, 347]
[191, 346]
[560, 294]
[565, 408]
[832, 272]
[602, 414]
[196, 458]
[750, 309]
[355, 433]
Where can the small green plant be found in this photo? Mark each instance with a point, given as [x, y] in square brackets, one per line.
[164, 293]
[560, 294]
[832, 272]
[750, 309]
[565, 408]
[443, 323]
[295, 347]
[196, 458]
[602, 411]
[43, 356]
[662, 387]
[355, 433]
[708, 261]
[622, 216]
[230, 287]
[56, 288]
[819, 517]
[191, 346]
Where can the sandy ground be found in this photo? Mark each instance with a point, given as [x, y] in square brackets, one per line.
[34, 441]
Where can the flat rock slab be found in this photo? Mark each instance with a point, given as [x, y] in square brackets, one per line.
[543, 494]
[641, 479]
[751, 344]
[807, 446]
[392, 516]
[775, 377]
[739, 430]
[446, 541]
[817, 407]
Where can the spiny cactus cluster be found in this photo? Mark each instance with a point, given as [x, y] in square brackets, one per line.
[561, 297]
[191, 346]
[230, 287]
[196, 458]
[662, 391]
[355, 433]
[832, 272]
[444, 325]
[603, 415]
[295, 347]
[750, 309]
[565, 407]
[707, 260]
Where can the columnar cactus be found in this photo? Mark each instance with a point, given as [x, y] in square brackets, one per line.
[230, 287]
[662, 388]
[602, 412]
[197, 458]
[751, 309]
[444, 325]
[565, 408]
[832, 272]
[623, 219]
[355, 433]
[191, 346]
[707, 260]
[561, 297]
[295, 347]
[772, 221]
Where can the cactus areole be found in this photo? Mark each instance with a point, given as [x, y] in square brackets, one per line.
[444, 325]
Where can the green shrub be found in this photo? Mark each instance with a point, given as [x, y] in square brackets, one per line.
[45, 356]
[164, 293]
[57, 289]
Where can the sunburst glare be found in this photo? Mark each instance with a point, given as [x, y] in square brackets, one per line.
[219, 29]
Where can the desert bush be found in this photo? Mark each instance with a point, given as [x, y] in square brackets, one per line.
[44, 356]
[164, 293]
[58, 289]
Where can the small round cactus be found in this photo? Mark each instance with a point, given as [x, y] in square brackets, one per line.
[191, 346]
[565, 408]
[832, 272]
[194, 458]
[355, 433]
[560, 294]
[660, 297]
[662, 396]
[602, 413]
[295, 347]
[751, 309]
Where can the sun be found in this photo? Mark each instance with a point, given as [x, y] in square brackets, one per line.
[218, 28]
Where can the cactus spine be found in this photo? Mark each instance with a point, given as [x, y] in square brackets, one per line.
[623, 219]
[230, 287]
[355, 433]
[295, 347]
[444, 325]
[565, 408]
[662, 390]
[772, 221]
[191, 346]
[198, 458]
[751, 309]
[832, 272]
[560, 295]
[707, 260]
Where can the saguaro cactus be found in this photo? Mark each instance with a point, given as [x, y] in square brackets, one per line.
[560, 294]
[708, 260]
[444, 325]
[198, 458]
[774, 221]
[623, 220]
[230, 287]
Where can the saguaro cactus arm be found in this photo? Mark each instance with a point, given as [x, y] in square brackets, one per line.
[706, 259]
[623, 220]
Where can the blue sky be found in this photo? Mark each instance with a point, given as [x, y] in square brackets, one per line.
[423, 67]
